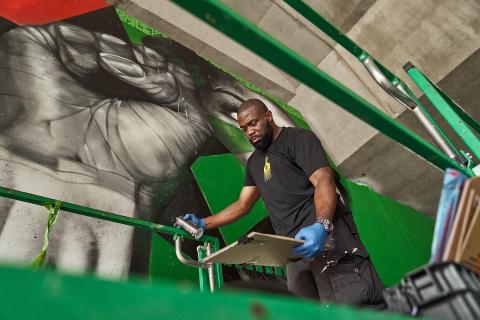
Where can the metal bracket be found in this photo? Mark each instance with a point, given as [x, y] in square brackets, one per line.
[185, 260]
[399, 93]
[194, 263]
[211, 270]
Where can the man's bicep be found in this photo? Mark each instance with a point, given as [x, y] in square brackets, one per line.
[309, 153]
[324, 174]
[249, 181]
[248, 196]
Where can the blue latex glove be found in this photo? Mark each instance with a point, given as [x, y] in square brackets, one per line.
[195, 220]
[315, 237]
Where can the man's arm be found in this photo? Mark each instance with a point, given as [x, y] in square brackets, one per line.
[325, 196]
[248, 196]
[325, 199]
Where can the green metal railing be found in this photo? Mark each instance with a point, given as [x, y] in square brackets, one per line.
[138, 223]
[103, 215]
[108, 216]
[448, 109]
[236, 27]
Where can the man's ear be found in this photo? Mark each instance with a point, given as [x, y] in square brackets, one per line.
[269, 115]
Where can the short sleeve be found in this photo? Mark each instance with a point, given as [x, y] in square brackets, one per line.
[308, 152]
[248, 176]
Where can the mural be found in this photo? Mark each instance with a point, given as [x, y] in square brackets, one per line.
[91, 118]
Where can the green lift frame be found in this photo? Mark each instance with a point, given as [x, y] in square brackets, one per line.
[214, 279]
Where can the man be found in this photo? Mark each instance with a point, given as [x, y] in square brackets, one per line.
[290, 170]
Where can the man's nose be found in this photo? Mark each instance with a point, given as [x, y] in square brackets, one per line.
[250, 132]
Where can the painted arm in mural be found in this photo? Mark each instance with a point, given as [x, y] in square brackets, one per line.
[121, 109]
[92, 97]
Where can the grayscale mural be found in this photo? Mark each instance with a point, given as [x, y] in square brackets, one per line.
[89, 118]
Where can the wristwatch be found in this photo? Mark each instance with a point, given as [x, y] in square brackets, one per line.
[327, 224]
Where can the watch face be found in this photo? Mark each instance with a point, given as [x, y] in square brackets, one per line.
[327, 224]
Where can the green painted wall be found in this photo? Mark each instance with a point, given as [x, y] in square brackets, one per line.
[221, 178]
[164, 263]
[397, 237]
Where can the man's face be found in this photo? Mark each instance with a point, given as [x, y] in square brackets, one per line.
[257, 126]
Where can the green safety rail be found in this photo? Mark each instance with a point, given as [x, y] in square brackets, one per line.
[99, 214]
[459, 121]
[138, 223]
[108, 216]
[236, 27]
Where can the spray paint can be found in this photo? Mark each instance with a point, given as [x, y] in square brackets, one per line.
[189, 227]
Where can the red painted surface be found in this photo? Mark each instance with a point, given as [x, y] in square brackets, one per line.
[45, 11]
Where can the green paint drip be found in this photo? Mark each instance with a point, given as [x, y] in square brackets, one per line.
[52, 218]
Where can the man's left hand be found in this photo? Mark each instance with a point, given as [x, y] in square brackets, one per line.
[315, 237]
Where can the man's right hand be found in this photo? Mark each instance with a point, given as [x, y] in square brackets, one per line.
[195, 220]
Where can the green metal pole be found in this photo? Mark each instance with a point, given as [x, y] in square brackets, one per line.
[218, 266]
[325, 26]
[464, 116]
[474, 124]
[330, 30]
[239, 29]
[99, 214]
[438, 101]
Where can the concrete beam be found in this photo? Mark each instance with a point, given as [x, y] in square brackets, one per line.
[196, 35]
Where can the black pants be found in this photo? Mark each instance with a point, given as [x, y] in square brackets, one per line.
[352, 281]
[345, 275]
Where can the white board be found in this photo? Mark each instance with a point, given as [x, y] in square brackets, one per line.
[257, 249]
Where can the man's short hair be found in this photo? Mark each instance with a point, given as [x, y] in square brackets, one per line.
[253, 103]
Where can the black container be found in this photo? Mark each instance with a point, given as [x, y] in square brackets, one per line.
[396, 300]
[439, 291]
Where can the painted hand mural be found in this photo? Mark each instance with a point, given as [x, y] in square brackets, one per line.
[89, 118]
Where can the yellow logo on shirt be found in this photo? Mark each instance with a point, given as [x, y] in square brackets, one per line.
[266, 170]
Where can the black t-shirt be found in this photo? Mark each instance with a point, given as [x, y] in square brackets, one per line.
[282, 174]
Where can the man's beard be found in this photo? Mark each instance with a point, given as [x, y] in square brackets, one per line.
[266, 139]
